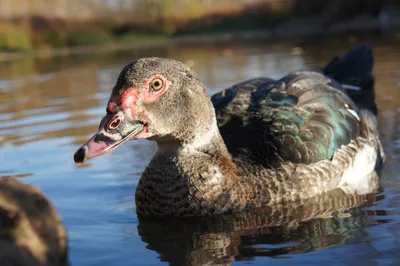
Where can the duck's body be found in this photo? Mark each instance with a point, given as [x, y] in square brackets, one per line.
[31, 231]
[298, 139]
[267, 141]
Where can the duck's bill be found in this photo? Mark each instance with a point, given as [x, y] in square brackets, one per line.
[103, 142]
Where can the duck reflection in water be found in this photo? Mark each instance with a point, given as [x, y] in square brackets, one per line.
[287, 228]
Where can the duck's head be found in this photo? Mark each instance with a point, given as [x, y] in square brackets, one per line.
[153, 98]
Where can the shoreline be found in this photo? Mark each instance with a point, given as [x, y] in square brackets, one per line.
[68, 51]
[294, 28]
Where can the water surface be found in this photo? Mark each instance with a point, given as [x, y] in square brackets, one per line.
[49, 107]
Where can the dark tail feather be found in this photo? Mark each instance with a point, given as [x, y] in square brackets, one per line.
[354, 71]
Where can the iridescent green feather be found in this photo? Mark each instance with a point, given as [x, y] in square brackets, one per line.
[302, 118]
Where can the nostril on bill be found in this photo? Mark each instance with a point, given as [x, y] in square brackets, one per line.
[79, 156]
[114, 123]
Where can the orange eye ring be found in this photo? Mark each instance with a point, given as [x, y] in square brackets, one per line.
[156, 85]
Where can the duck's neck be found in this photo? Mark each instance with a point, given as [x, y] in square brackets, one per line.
[194, 173]
[209, 142]
[206, 139]
[200, 157]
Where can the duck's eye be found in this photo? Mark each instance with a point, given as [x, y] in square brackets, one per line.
[156, 85]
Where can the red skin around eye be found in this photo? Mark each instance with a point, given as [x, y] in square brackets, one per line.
[131, 96]
[151, 97]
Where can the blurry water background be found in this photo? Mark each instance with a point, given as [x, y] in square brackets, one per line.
[49, 107]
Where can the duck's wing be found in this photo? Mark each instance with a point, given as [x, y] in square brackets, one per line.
[302, 118]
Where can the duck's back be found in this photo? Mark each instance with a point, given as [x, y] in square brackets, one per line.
[303, 118]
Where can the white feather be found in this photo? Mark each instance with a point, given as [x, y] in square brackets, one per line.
[216, 177]
[351, 87]
[351, 111]
[202, 140]
[359, 175]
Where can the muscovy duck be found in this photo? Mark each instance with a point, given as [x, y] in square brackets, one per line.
[259, 142]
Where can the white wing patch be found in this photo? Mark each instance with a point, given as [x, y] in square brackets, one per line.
[358, 177]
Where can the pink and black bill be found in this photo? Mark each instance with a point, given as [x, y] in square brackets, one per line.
[114, 130]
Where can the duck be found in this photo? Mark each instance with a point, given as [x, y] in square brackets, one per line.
[259, 142]
[31, 230]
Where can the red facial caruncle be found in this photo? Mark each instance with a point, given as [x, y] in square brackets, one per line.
[130, 97]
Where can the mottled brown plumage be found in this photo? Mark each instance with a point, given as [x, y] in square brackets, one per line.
[259, 142]
[31, 232]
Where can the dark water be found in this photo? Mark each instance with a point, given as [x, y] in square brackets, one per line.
[49, 107]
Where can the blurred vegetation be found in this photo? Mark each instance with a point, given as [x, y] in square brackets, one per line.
[88, 37]
[14, 38]
[141, 37]
[31, 24]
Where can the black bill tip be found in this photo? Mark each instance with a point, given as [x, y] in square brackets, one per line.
[80, 155]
